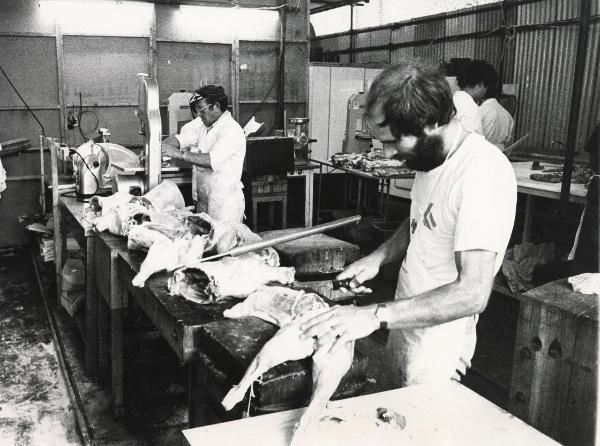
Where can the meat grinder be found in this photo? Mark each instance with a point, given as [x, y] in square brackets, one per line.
[301, 140]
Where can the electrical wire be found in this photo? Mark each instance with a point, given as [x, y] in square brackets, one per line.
[81, 112]
[23, 100]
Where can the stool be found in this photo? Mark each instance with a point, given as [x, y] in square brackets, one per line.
[270, 189]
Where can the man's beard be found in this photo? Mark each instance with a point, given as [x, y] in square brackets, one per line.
[427, 154]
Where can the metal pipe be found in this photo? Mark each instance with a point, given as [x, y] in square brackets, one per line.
[578, 74]
[286, 237]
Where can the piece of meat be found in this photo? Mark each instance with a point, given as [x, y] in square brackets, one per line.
[277, 305]
[229, 277]
[143, 237]
[285, 345]
[170, 255]
[223, 236]
[328, 371]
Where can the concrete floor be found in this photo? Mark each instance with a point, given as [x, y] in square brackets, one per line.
[34, 403]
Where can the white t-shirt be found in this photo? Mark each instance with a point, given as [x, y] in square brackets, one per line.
[218, 190]
[498, 125]
[466, 203]
[467, 112]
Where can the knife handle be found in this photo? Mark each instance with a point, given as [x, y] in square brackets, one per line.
[343, 283]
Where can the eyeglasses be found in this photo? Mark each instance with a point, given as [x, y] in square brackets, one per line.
[202, 109]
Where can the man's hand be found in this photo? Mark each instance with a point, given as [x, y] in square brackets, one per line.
[340, 324]
[170, 151]
[359, 271]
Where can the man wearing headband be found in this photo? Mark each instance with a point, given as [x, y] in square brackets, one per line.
[217, 147]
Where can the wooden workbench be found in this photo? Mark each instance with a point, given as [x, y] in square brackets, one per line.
[228, 347]
[555, 363]
[202, 338]
[111, 312]
[445, 414]
[71, 220]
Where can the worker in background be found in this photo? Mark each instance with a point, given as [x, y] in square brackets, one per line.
[218, 147]
[452, 245]
[467, 110]
[481, 82]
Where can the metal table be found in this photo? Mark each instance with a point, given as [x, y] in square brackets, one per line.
[306, 170]
[383, 186]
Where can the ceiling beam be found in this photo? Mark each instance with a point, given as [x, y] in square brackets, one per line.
[336, 4]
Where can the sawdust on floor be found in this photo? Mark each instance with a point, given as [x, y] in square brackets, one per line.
[34, 404]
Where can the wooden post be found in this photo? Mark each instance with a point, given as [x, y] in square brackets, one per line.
[58, 235]
[235, 74]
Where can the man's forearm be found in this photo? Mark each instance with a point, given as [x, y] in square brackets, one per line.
[466, 296]
[197, 159]
[444, 304]
[395, 247]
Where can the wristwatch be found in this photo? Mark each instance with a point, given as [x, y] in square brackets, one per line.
[382, 313]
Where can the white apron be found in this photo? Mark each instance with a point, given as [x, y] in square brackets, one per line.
[223, 202]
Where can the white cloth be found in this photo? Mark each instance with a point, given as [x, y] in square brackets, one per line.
[218, 191]
[467, 112]
[466, 203]
[498, 125]
[586, 283]
[2, 178]
[191, 132]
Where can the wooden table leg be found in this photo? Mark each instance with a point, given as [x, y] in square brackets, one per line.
[116, 349]
[103, 341]
[528, 218]
[308, 199]
[91, 312]
[116, 337]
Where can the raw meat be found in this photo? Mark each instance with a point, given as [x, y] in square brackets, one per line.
[170, 255]
[276, 304]
[223, 236]
[328, 370]
[229, 277]
[285, 345]
[143, 237]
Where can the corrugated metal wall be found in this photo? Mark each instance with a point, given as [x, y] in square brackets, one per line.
[537, 53]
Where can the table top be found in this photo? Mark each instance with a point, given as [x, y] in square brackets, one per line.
[525, 185]
[560, 294]
[539, 188]
[445, 414]
[301, 165]
[174, 166]
[75, 210]
[362, 173]
[176, 318]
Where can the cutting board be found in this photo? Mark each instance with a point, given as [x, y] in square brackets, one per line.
[231, 344]
[315, 255]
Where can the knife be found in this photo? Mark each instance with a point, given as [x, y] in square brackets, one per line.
[331, 289]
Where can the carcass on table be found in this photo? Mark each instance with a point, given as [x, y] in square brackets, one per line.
[273, 304]
[230, 277]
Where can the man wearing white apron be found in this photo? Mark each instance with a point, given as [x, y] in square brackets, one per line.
[461, 217]
[217, 147]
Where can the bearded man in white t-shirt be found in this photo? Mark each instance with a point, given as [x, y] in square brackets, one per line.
[452, 245]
